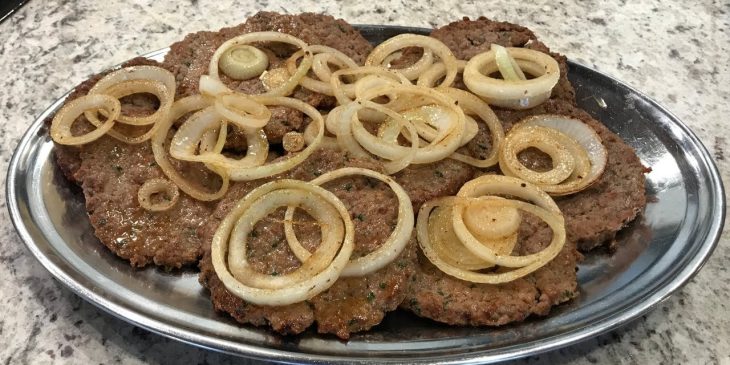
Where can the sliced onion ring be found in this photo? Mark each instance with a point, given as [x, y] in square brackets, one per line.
[291, 160]
[310, 134]
[242, 110]
[472, 105]
[352, 135]
[346, 92]
[384, 254]
[521, 94]
[436, 150]
[142, 73]
[585, 136]
[299, 290]
[64, 118]
[185, 143]
[414, 70]
[128, 88]
[179, 109]
[158, 186]
[446, 243]
[322, 56]
[501, 185]
[507, 65]
[556, 146]
[554, 221]
[332, 233]
[399, 42]
[288, 86]
[436, 72]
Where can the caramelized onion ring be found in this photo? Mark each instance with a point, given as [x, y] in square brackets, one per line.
[166, 94]
[300, 286]
[64, 118]
[158, 186]
[287, 87]
[522, 94]
[399, 42]
[554, 221]
[384, 254]
[178, 110]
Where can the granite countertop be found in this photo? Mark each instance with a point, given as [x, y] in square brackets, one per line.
[674, 51]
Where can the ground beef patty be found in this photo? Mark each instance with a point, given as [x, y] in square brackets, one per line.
[443, 298]
[110, 173]
[190, 57]
[595, 215]
[592, 217]
[351, 304]
[467, 38]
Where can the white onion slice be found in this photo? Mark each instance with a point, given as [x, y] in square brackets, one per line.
[437, 71]
[554, 221]
[128, 88]
[290, 161]
[158, 186]
[584, 135]
[411, 72]
[541, 138]
[242, 110]
[179, 109]
[353, 134]
[436, 150]
[185, 143]
[520, 94]
[310, 134]
[287, 87]
[472, 105]
[346, 92]
[508, 67]
[332, 231]
[501, 185]
[139, 73]
[446, 243]
[399, 42]
[322, 56]
[384, 254]
[64, 118]
[299, 291]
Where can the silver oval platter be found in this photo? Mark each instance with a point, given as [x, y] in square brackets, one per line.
[658, 254]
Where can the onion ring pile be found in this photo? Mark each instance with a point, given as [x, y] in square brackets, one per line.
[319, 269]
[578, 155]
[481, 247]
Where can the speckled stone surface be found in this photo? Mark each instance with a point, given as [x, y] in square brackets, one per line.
[676, 52]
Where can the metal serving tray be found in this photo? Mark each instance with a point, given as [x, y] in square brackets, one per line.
[658, 253]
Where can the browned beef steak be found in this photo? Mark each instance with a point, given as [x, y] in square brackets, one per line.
[110, 173]
[351, 304]
[466, 38]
